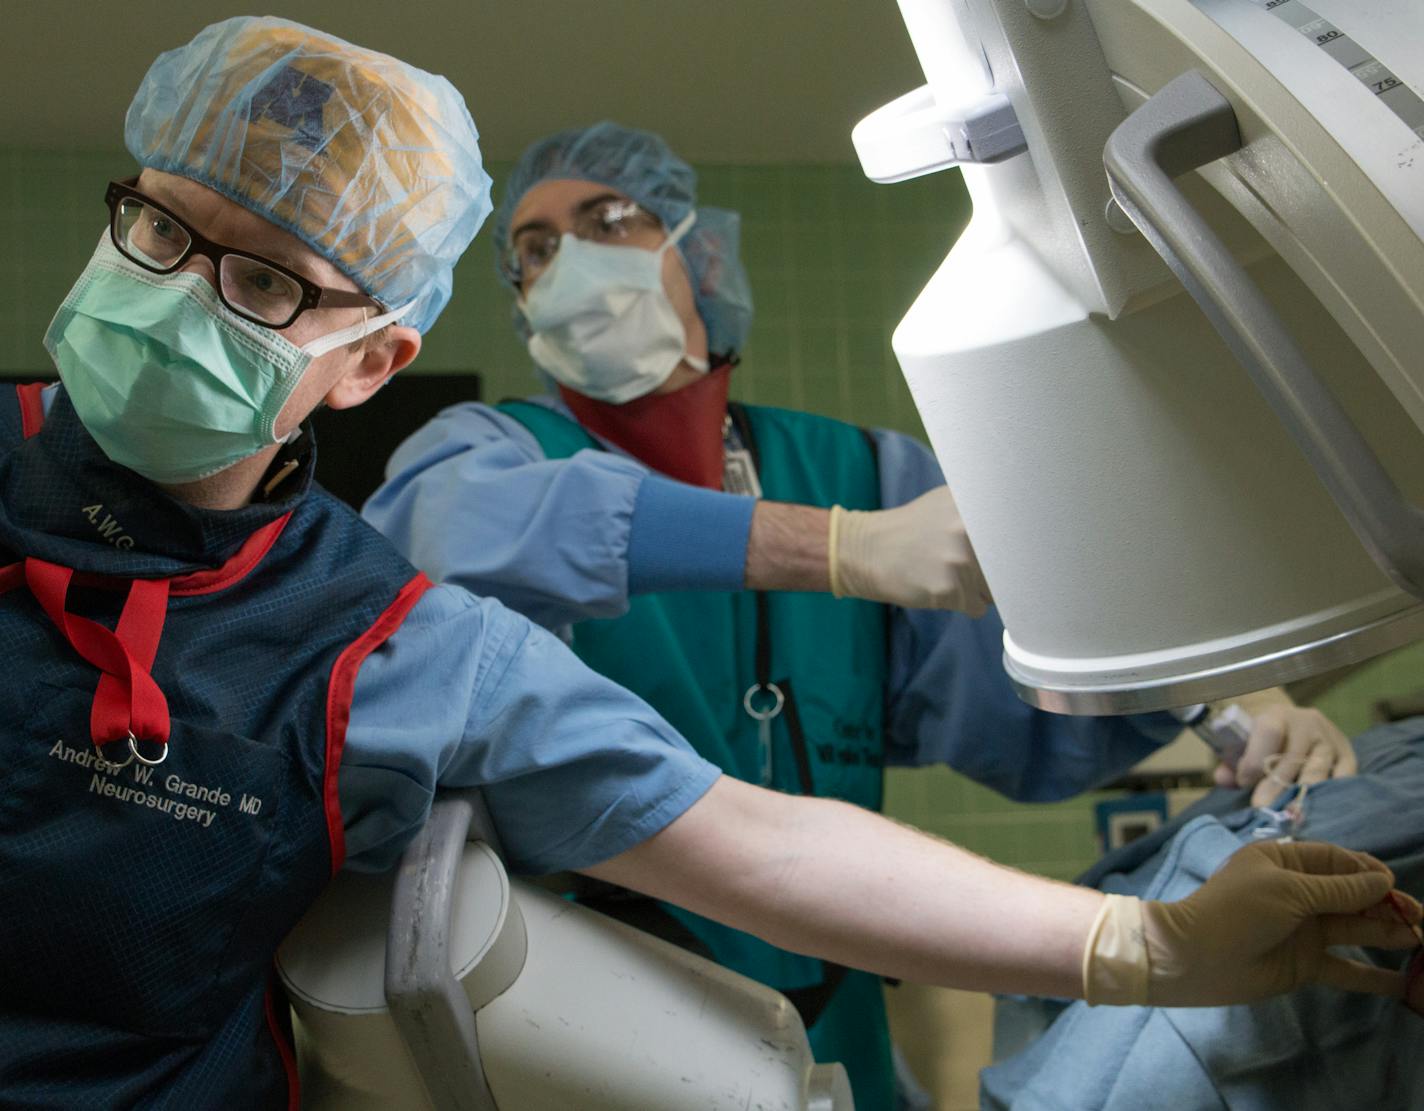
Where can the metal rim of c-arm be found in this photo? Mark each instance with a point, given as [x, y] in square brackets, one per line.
[1268, 670]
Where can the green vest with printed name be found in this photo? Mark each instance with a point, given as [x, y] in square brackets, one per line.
[695, 655]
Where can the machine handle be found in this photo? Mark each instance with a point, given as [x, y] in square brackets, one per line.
[430, 1008]
[1187, 124]
[913, 136]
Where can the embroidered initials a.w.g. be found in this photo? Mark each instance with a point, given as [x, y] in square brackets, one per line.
[107, 526]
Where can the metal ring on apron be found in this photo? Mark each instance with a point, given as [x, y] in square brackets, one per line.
[114, 764]
[778, 701]
[142, 759]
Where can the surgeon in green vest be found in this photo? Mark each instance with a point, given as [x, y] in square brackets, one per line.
[795, 594]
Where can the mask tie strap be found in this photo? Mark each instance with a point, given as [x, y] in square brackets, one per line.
[332, 340]
[128, 704]
[675, 236]
[679, 230]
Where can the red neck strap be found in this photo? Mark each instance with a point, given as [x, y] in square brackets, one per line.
[127, 701]
[32, 415]
[678, 434]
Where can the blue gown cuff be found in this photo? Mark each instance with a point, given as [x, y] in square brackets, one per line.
[1158, 725]
[686, 538]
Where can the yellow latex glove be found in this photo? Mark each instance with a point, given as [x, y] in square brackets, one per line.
[916, 555]
[1288, 744]
[1259, 927]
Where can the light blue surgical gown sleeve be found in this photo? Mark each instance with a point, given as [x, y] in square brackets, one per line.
[950, 701]
[466, 693]
[471, 499]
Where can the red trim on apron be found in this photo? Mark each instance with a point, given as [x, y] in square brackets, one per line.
[31, 406]
[282, 1036]
[338, 703]
[238, 565]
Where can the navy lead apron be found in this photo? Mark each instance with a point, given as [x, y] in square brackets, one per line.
[144, 900]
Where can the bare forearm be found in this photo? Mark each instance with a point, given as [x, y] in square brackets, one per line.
[837, 882]
[787, 548]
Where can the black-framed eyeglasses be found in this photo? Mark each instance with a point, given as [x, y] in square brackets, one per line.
[603, 219]
[254, 287]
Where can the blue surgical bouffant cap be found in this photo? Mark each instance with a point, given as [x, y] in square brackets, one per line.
[643, 167]
[372, 163]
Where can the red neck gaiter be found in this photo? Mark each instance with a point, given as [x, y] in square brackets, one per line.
[678, 434]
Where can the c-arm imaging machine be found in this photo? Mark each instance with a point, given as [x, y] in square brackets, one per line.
[1173, 373]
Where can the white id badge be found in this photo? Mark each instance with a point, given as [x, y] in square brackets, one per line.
[738, 472]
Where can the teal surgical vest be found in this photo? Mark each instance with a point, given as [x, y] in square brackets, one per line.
[695, 656]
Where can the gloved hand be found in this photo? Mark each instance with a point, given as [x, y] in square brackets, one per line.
[1259, 927]
[916, 555]
[1310, 746]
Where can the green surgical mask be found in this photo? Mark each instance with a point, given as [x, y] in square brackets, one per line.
[169, 381]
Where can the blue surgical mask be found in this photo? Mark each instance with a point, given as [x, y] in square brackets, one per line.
[601, 320]
[169, 381]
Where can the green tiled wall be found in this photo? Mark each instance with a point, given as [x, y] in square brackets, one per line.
[1054, 839]
[834, 262]
[1350, 702]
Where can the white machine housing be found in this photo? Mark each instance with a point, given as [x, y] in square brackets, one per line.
[1153, 533]
[571, 1009]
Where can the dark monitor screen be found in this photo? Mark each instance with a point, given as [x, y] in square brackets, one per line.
[352, 445]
